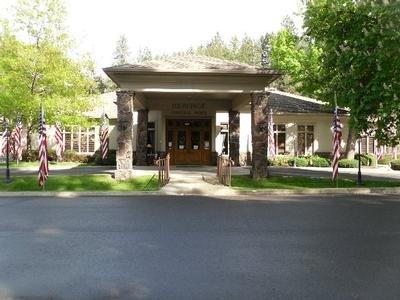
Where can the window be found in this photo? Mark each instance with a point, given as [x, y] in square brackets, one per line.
[280, 138]
[79, 139]
[367, 144]
[305, 139]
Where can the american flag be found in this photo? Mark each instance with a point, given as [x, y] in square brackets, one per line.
[59, 142]
[17, 137]
[43, 161]
[4, 137]
[337, 137]
[104, 139]
[271, 139]
[379, 152]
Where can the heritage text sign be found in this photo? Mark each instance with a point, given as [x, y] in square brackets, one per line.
[198, 109]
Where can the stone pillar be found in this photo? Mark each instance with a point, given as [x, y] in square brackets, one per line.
[234, 135]
[125, 135]
[141, 138]
[259, 133]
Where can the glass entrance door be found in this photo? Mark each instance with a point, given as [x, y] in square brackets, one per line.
[189, 141]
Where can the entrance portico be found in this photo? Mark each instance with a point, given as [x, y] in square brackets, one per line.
[185, 93]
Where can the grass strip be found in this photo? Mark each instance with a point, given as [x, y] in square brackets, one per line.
[59, 183]
[297, 182]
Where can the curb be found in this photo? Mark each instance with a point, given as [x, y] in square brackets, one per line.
[78, 194]
[234, 193]
[326, 191]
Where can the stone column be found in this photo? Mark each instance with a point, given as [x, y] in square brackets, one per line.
[141, 138]
[259, 132]
[125, 135]
[234, 135]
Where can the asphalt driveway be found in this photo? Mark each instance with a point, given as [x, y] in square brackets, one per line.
[200, 248]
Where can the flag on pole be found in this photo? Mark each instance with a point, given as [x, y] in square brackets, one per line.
[17, 137]
[337, 138]
[379, 152]
[394, 152]
[271, 138]
[43, 161]
[104, 138]
[4, 137]
[59, 142]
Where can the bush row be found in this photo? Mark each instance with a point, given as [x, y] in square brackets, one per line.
[72, 156]
[301, 161]
[317, 161]
[395, 164]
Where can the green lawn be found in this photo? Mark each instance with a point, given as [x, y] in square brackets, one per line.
[81, 183]
[287, 182]
[53, 165]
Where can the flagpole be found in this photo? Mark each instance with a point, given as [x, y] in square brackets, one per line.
[337, 177]
[42, 118]
[5, 127]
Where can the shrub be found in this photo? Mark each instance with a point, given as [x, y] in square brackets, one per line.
[301, 161]
[348, 163]
[110, 161]
[363, 158]
[72, 156]
[280, 160]
[385, 160]
[371, 159]
[31, 155]
[395, 164]
[317, 161]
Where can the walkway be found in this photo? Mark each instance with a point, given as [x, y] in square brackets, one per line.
[195, 180]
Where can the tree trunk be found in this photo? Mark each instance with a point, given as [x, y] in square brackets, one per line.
[29, 138]
[351, 144]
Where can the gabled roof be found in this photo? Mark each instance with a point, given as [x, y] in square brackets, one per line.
[191, 64]
[281, 102]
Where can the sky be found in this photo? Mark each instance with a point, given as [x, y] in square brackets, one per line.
[166, 26]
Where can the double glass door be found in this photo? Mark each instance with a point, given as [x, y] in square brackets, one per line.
[189, 141]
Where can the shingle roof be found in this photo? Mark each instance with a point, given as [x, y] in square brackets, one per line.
[192, 64]
[282, 102]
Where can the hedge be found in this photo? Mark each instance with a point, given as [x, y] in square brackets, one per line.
[317, 161]
[72, 156]
[385, 160]
[348, 163]
[367, 159]
[301, 161]
[395, 164]
[280, 161]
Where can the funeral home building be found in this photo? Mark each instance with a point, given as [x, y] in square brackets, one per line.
[196, 108]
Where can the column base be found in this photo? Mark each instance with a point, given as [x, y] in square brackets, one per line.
[123, 174]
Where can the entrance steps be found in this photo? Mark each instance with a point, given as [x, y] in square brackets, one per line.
[195, 181]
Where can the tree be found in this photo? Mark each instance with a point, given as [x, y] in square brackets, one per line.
[144, 55]
[38, 68]
[121, 52]
[359, 42]
[299, 59]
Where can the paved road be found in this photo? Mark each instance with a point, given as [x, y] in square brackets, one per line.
[200, 248]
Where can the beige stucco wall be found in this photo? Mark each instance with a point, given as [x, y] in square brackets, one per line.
[322, 130]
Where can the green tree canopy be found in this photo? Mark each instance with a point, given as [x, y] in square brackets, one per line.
[35, 66]
[360, 59]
